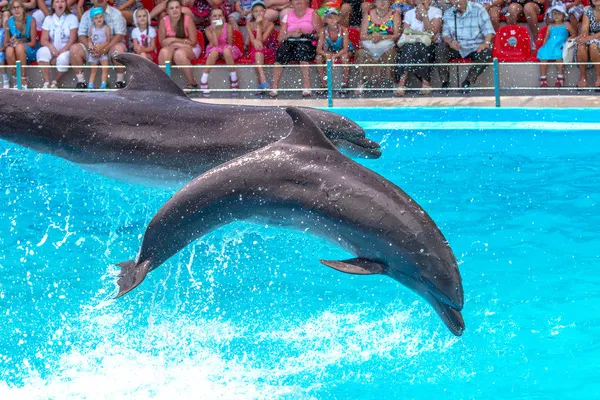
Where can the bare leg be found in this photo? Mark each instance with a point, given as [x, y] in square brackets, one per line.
[93, 70]
[582, 57]
[305, 72]
[259, 60]
[212, 58]
[45, 70]
[531, 11]
[595, 56]
[185, 57]
[278, 70]
[513, 13]
[104, 64]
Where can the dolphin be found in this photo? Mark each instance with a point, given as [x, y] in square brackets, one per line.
[150, 132]
[303, 182]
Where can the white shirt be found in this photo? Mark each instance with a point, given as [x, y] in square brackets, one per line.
[143, 38]
[410, 18]
[59, 28]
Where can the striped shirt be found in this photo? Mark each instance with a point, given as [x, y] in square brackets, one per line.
[473, 26]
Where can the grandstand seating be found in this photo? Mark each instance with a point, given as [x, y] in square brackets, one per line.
[512, 43]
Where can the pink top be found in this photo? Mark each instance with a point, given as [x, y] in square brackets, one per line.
[170, 32]
[303, 24]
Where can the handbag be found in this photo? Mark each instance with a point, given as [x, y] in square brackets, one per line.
[414, 36]
[568, 53]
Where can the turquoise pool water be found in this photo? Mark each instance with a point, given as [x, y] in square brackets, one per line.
[248, 312]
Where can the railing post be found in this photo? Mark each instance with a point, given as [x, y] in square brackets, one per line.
[329, 83]
[168, 68]
[497, 82]
[18, 68]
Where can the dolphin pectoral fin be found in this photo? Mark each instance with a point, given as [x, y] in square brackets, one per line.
[132, 274]
[357, 266]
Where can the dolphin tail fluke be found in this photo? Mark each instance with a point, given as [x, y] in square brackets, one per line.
[132, 274]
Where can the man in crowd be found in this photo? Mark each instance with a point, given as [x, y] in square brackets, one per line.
[468, 33]
[116, 45]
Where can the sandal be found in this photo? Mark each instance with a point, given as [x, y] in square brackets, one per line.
[543, 82]
[425, 90]
[54, 85]
[273, 93]
[399, 92]
[235, 84]
[306, 94]
[191, 86]
[560, 81]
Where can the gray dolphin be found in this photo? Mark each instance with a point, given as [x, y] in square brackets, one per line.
[151, 132]
[303, 182]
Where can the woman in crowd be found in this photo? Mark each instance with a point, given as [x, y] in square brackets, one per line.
[298, 36]
[378, 33]
[426, 23]
[21, 38]
[589, 43]
[177, 36]
[59, 33]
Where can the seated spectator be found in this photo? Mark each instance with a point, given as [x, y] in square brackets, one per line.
[575, 10]
[494, 9]
[41, 9]
[552, 50]
[589, 43]
[531, 9]
[82, 6]
[220, 46]
[334, 44]
[426, 21]
[144, 35]
[179, 40]
[59, 33]
[127, 8]
[344, 10]
[242, 10]
[277, 9]
[297, 36]
[81, 51]
[378, 33]
[22, 44]
[3, 42]
[199, 10]
[470, 23]
[262, 42]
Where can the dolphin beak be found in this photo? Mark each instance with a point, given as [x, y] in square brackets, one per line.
[451, 317]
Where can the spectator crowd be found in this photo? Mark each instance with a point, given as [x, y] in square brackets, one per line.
[389, 39]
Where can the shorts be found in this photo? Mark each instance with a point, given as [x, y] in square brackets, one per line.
[93, 60]
[2, 57]
[296, 51]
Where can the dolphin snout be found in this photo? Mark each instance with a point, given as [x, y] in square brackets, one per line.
[452, 297]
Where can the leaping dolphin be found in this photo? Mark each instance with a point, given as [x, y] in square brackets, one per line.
[303, 182]
[151, 132]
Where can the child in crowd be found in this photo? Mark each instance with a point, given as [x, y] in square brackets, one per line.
[574, 9]
[5, 83]
[99, 34]
[262, 43]
[220, 46]
[144, 36]
[556, 36]
[334, 44]
[242, 11]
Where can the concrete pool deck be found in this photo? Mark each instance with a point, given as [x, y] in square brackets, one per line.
[552, 101]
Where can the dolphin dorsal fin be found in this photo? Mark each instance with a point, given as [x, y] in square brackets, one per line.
[146, 76]
[305, 131]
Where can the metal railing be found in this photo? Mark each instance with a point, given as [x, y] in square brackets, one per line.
[330, 67]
